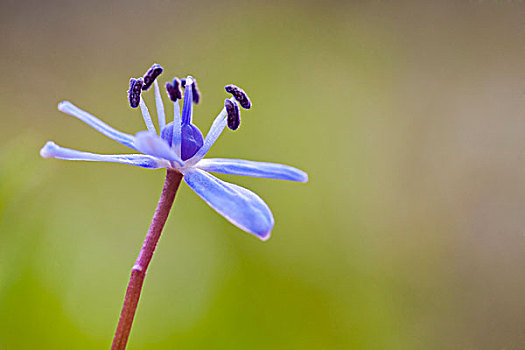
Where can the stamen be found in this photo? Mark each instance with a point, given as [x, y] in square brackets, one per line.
[151, 75]
[147, 117]
[135, 88]
[161, 115]
[239, 95]
[177, 132]
[234, 114]
[174, 91]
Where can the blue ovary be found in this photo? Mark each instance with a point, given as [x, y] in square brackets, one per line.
[192, 139]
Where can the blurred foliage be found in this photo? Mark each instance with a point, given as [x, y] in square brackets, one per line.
[408, 119]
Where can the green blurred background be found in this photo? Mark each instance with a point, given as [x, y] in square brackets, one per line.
[408, 117]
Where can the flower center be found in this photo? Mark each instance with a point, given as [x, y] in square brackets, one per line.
[191, 136]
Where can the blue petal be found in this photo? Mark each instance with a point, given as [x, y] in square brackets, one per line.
[149, 143]
[250, 168]
[238, 205]
[97, 124]
[213, 134]
[52, 150]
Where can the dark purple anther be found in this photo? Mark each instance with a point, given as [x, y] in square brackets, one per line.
[239, 95]
[195, 91]
[173, 89]
[135, 88]
[234, 114]
[151, 75]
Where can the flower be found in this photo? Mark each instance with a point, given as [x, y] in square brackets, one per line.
[180, 146]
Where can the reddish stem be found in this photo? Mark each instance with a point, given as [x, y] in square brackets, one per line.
[138, 272]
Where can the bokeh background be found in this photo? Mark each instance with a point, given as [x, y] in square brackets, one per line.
[408, 117]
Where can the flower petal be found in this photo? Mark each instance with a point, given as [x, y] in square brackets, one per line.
[238, 205]
[251, 168]
[52, 150]
[148, 142]
[97, 124]
[213, 134]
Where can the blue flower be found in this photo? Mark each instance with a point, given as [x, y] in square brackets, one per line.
[180, 146]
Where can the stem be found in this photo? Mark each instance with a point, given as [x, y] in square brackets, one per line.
[138, 272]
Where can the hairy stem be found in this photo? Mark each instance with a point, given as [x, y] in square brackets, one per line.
[138, 272]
